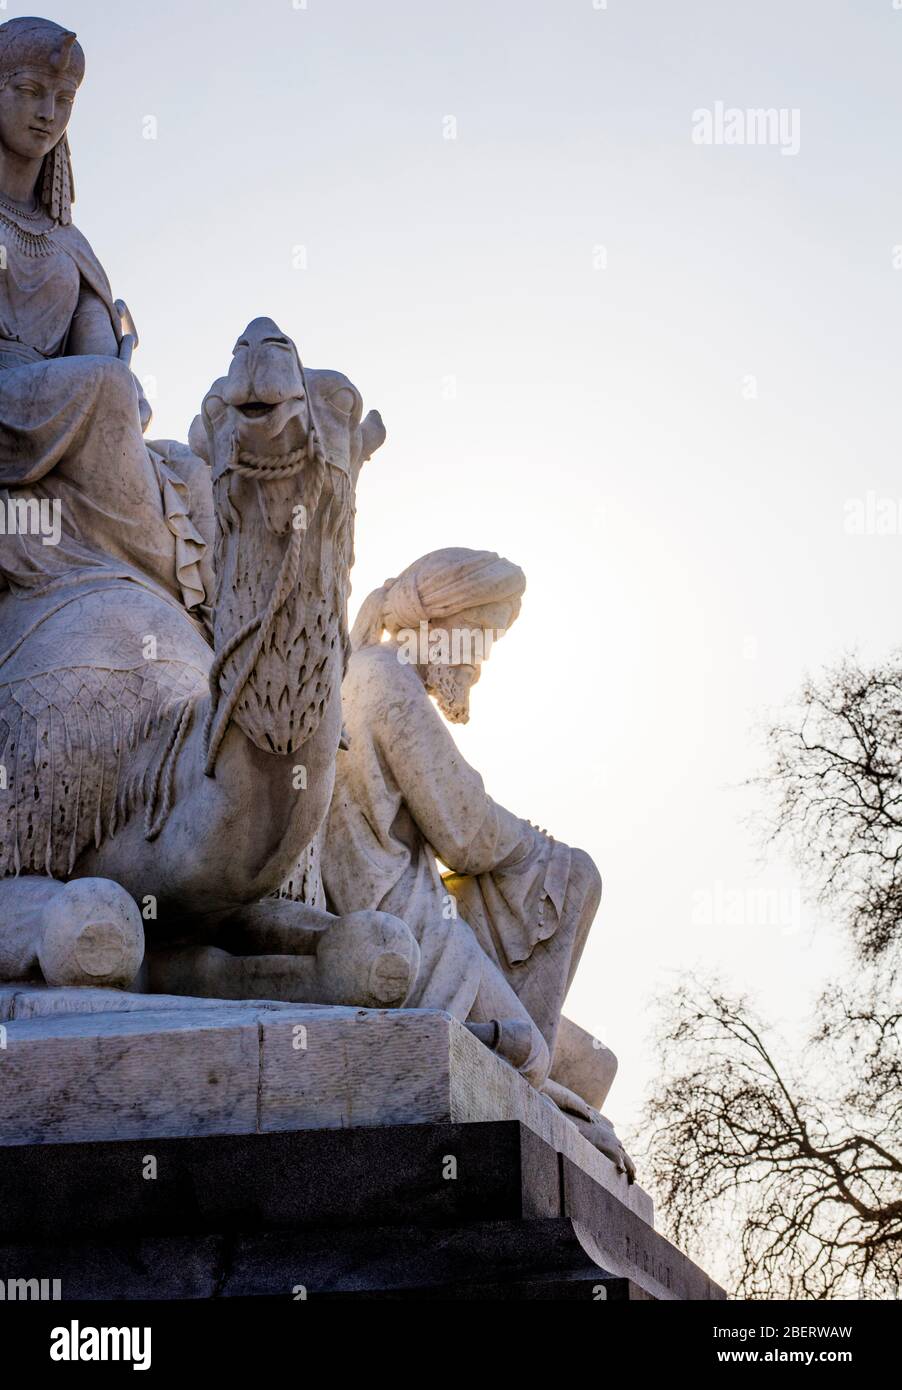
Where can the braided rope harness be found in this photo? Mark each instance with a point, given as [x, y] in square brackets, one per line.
[259, 467]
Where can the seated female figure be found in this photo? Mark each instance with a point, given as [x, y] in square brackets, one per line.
[71, 412]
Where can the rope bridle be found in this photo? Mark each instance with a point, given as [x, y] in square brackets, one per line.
[260, 468]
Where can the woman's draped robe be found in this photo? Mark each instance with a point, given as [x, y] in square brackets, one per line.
[71, 439]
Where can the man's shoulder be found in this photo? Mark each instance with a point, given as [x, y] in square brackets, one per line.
[376, 672]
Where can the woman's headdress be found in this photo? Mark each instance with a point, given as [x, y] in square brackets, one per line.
[44, 45]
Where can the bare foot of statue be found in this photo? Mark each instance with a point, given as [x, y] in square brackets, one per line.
[595, 1126]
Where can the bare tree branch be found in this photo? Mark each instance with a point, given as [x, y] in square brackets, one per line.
[814, 1185]
[804, 1167]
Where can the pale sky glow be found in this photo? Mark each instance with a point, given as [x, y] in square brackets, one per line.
[684, 545]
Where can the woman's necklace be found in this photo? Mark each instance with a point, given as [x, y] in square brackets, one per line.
[29, 241]
[27, 215]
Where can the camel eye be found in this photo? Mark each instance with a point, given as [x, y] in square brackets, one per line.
[343, 399]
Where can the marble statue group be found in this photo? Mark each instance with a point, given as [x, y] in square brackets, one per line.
[209, 783]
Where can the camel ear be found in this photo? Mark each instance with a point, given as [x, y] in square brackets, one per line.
[372, 435]
[197, 439]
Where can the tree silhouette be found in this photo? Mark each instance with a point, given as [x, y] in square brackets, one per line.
[805, 1160]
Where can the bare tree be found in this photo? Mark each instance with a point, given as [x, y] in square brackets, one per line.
[837, 778]
[807, 1184]
[802, 1165]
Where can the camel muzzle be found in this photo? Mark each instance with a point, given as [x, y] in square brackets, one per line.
[265, 388]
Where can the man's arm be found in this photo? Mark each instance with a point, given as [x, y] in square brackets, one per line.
[445, 795]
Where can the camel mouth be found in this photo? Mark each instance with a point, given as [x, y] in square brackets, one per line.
[256, 410]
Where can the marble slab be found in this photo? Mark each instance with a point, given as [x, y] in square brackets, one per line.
[80, 1065]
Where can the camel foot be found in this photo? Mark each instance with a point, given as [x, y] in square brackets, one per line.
[92, 935]
[369, 959]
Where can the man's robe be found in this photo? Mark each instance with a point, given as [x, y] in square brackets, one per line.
[405, 797]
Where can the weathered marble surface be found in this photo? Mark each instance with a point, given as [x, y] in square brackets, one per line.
[171, 708]
[163, 736]
[18, 1002]
[171, 1067]
[172, 620]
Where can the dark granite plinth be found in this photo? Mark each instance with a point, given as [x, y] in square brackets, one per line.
[437, 1211]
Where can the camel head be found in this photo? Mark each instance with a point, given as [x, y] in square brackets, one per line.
[269, 404]
[285, 445]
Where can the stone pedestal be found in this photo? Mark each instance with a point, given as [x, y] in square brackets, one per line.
[171, 1148]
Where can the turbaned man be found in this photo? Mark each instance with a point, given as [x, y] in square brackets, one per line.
[500, 935]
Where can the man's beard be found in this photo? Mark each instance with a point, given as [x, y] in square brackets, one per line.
[450, 689]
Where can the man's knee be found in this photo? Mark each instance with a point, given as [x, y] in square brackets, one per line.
[585, 875]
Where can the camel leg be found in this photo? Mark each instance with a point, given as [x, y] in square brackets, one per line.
[206, 972]
[366, 958]
[278, 949]
[86, 932]
[274, 926]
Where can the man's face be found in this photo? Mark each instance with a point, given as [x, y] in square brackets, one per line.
[466, 641]
[450, 687]
[35, 108]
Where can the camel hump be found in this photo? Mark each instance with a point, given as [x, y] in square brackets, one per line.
[113, 626]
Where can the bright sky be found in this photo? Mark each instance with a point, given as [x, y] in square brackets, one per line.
[564, 315]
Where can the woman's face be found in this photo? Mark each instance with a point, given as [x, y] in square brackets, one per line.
[35, 108]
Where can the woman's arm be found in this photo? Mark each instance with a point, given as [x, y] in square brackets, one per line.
[92, 331]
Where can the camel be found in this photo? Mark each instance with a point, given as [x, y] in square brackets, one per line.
[163, 773]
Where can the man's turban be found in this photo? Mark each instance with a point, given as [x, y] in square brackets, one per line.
[438, 585]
